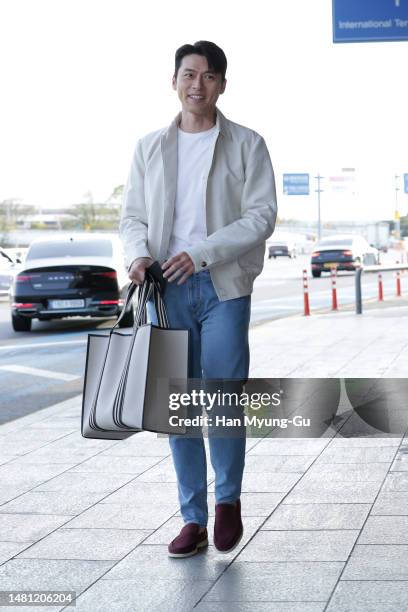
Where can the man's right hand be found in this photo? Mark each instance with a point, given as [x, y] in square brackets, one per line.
[136, 271]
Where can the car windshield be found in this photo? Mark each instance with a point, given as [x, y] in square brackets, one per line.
[74, 248]
[336, 243]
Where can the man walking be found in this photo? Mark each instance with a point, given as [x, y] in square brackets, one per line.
[201, 200]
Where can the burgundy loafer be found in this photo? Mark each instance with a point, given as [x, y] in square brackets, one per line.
[228, 528]
[188, 542]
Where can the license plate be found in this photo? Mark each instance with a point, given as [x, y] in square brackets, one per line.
[278, 252]
[66, 304]
[331, 265]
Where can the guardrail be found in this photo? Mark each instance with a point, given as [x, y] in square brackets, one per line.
[371, 269]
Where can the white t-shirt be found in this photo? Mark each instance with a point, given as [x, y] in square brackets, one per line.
[194, 160]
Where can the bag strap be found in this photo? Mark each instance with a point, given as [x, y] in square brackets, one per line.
[145, 290]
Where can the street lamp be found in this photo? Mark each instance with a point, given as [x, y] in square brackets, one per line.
[397, 214]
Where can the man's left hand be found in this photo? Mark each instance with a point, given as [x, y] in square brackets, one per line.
[180, 266]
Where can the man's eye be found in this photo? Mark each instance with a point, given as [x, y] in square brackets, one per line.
[210, 76]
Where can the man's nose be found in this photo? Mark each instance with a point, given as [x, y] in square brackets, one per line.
[197, 83]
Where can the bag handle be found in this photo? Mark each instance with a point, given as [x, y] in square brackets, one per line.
[145, 290]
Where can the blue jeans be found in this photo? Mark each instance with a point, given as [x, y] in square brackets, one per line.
[219, 349]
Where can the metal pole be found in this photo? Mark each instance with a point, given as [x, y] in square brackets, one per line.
[319, 191]
[359, 301]
[397, 214]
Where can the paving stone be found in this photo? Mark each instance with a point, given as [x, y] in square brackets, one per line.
[391, 502]
[151, 493]
[142, 595]
[359, 442]
[30, 475]
[138, 515]
[9, 492]
[75, 442]
[46, 434]
[6, 458]
[89, 544]
[117, 465]
[385, 530]
[373, 454]
[152, 562]
[377, 562]
[333, 492]
[396, 481]
[293, 446]
[273, 482]
[38, 574]
[159, 473]
[9, 446]
[291, 581]
[369, 596]
[277, 463]
[145, 447]
[28, 527]
[9, 549]
[318, 516]
[354, 472]
[54, 502]
[86, 482]
[300, 546]
[257, 606]
[49, 455]
[400, 463]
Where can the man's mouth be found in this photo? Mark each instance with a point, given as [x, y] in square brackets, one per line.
[196, 97]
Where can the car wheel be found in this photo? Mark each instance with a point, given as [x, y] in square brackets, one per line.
[127, 320]
[20, 323]
[316, 273]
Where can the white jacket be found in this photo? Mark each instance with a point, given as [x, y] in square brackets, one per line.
[240, 200]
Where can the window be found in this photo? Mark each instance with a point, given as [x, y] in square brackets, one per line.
[70, 248]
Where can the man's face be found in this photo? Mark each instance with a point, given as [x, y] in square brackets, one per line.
[197, 86]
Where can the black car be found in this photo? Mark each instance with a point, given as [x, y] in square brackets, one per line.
[342, 252]
[79, 275]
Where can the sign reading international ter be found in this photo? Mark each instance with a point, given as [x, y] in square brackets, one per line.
[296, 184]
[370, 20]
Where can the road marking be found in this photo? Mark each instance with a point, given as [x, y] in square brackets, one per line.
[40, 344]
[39, 372]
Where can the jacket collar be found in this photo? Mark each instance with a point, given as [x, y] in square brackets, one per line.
[221, 122]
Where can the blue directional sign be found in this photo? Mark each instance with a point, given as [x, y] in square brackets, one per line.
[406, 183]
[296, 184]
[370, 20]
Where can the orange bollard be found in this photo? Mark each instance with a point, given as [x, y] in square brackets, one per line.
[333, 275]
[380, 288]
[398, 275]
[306, 294]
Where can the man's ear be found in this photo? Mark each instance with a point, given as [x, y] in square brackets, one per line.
[223, 86]
[174, 83]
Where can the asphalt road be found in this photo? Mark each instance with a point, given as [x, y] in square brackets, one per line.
[45, 366]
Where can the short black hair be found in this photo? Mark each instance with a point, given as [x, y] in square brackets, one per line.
[215, 56]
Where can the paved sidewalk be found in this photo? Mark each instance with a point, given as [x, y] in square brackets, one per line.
[326, 520]
[340, 344]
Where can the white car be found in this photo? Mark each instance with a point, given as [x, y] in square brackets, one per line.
[343, 252]
[8, 269]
